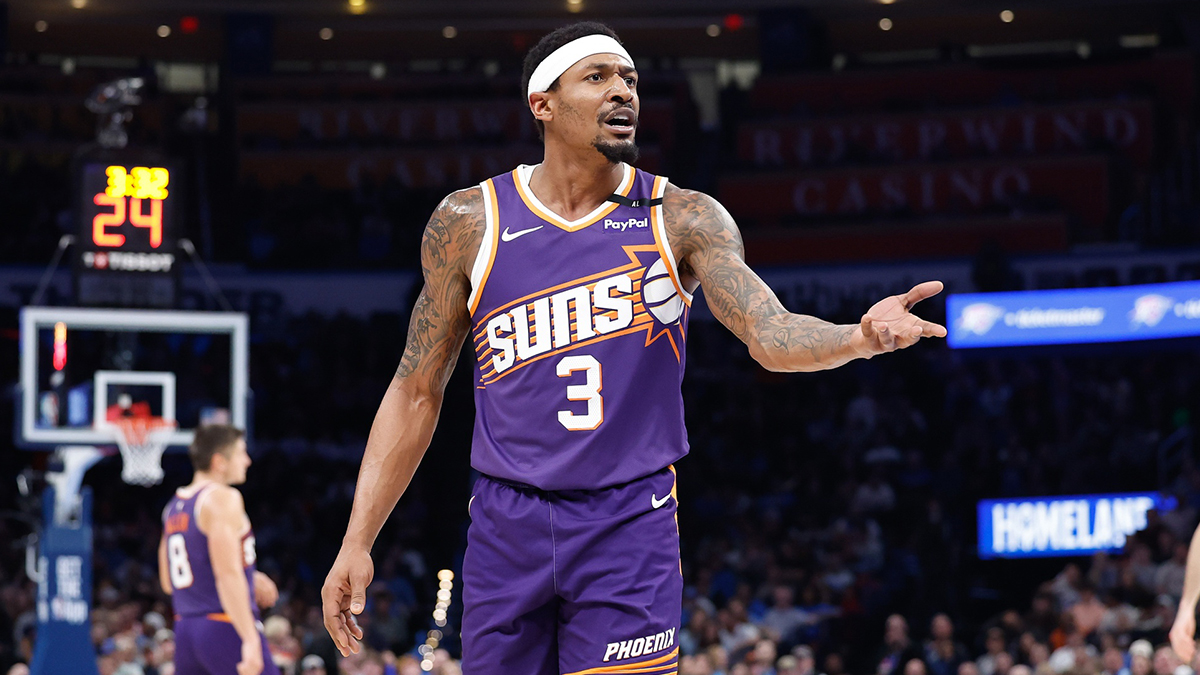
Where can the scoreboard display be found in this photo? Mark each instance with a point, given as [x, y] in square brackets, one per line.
[127, 231]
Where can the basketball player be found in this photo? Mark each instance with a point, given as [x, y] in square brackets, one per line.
[572, 280]
[1183, 632]
[206, 563]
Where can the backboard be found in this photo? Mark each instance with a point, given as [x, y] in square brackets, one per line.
[81, 368]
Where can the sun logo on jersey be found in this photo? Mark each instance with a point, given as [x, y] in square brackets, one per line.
[636, 297]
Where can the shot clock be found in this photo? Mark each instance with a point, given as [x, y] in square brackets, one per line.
[126, 230]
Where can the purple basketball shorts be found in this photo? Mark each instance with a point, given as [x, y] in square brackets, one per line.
[206, 646]
[562, 583]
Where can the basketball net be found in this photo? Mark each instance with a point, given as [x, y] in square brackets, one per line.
[142, 441]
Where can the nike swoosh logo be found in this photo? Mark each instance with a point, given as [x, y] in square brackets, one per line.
[509, 236]
[656, 502]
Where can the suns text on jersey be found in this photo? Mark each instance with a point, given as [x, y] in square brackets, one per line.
[560, 320]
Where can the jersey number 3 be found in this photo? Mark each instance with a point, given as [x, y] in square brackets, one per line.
[588, 391]
[178, 563]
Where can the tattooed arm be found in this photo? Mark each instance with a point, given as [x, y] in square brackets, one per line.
[709, 248]
[409, 412]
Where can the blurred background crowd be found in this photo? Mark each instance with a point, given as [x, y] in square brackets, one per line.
[827, 520]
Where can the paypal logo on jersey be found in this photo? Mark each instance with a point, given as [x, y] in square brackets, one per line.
[622, 225]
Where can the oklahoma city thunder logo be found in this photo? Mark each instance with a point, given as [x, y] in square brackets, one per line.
[632, 298]
[1150, 309]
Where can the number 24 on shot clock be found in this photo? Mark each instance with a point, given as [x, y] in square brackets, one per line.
[136, 197]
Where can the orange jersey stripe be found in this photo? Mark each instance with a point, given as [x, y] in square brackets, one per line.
[636, 667]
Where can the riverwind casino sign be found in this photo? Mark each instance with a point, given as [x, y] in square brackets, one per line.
[1061, 526]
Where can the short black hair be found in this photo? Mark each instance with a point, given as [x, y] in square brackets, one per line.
[546, 46]
[211, 439]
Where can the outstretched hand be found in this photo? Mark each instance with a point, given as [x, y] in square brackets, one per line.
[890, 324]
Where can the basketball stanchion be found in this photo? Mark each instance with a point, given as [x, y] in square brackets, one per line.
[445, 586]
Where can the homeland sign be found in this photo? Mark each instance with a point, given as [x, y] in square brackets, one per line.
[1061, 526]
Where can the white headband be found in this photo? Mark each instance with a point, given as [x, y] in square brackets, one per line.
[568, 55]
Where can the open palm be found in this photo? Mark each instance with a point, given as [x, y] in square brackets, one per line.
[890, 324]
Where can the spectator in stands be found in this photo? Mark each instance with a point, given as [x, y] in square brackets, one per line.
[1169, 579]
[874, 496]
[1166, 662]
[783, 619]
[736, 630]
[1141, 563]
[1113, 662]
[943, 655]
[312, 665]
[761, 658]
[283, 647]
[805, 661]
[387, 631]
[1075, 654]
[1088, 612]
[1041, 619]
[995, 645]
[898, 649]
[915, 667]
[1066, 586]
[1039, 658]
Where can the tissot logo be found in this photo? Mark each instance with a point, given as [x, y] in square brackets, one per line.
[622, 225]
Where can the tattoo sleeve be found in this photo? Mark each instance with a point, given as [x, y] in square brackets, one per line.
[440, 320]
[707, 241]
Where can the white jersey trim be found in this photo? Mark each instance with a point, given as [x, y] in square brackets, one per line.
[660, 225]
[487, 247]
[525, 172]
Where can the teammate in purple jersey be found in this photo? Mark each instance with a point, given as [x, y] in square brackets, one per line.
[573, 281]
[206, 562]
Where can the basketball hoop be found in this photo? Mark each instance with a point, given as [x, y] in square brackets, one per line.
[142, 441]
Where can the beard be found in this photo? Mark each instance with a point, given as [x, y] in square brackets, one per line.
[617, 151]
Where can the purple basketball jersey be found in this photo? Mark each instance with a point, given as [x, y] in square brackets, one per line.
[192, 581]
[578, 329]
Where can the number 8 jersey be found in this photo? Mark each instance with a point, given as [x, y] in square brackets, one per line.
[192, 581]
[578, 329]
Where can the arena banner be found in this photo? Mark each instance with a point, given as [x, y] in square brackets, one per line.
[1040, 527]
[1170, 77]
[819, 289]
[1078, 185]
[265, 296]
[1145, 312]
[445, 169]
[480, 120]
[924, 239]
[1126, 126]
